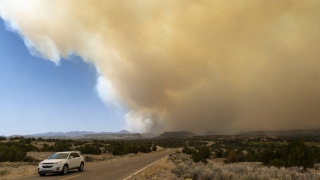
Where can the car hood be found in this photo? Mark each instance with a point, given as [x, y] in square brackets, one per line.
[51, 160]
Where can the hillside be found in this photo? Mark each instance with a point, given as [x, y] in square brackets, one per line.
[296, 133]
[176, 134]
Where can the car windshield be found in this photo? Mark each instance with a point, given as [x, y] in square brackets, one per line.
[59, 156]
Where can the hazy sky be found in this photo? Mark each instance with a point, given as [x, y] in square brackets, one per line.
[159, 65]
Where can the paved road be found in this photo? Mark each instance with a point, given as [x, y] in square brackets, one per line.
[116, 170]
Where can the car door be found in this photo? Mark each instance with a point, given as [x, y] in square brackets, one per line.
[72, 162]
[77, 160]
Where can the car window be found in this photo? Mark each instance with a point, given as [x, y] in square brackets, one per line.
[59, 156]
[76, 155]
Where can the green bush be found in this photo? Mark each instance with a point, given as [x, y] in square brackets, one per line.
[46, 147]
[90, 149]
[298, 154]
[202, 154]
[154, 148]
[61, 145]
[188, 150]
[277, 163]
[144, 148]
[219, 153]
[12, 153]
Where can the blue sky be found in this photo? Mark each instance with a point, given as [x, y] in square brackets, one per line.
[38, 96]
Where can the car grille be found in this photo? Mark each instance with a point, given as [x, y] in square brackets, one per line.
[47, 165]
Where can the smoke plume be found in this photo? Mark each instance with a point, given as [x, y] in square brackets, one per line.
[187, 65]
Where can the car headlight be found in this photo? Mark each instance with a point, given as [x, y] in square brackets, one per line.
[40, 163]
[58, 163]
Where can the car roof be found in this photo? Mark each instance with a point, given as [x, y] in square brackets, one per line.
[69, 152]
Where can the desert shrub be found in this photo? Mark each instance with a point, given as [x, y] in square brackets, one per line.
[4, 172]
[46, 147]
[126, 148]
[61, 145]
[232, 157]
[88, 158]
[15, 138]
[26, 140]
[225, 153]
[30, 159]
[144, 148]
[202, 154]
[277, 163]
[202, 171]
[30, 147]
[240, 156]
[90, 149]
[219, 153]
[154, 147]
[12, 153]
[298, 154]
[2, 138]
[188, 150]
[170, 143]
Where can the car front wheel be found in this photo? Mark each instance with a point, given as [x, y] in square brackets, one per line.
[42, 174]
[81, 167]
[64, 170]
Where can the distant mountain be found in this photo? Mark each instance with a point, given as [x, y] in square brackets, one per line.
[113, 136]
[74, 133]
[296, 133]
[254, 133]
[284, 133]
[176, 134]
[123, 132]
[208, 133]
[148, 135]
[71, 134]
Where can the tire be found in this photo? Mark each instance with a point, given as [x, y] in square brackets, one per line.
[42, 174]
[64, 170]
[81, 167]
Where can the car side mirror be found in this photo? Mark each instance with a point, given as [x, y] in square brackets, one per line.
[48, 157]
[70, 157]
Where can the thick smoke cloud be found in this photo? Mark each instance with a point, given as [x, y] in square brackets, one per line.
[188, 65]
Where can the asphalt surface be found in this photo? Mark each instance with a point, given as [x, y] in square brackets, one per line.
[114, 170]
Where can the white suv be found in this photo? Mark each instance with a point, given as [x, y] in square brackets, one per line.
[61, 162]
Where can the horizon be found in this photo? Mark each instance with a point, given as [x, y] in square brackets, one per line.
[157, 134]
[152, 67]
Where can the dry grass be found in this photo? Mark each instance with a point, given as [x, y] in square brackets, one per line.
[39, 155]
[11, 170]
[160, 170]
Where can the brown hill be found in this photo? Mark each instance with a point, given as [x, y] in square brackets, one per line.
[176, 134]
[297, 133]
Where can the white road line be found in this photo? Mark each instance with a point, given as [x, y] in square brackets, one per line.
[70, 177]
[142, 169]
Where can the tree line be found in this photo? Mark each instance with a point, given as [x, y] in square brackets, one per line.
[296, 153]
